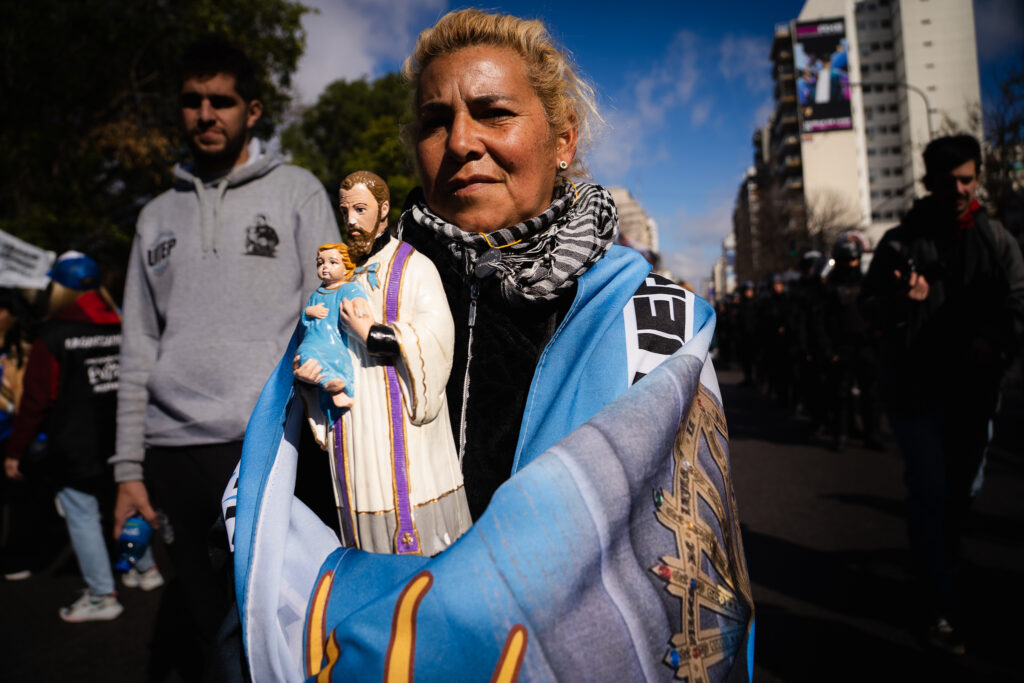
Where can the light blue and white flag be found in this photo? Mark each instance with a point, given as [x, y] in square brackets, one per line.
[613, 553]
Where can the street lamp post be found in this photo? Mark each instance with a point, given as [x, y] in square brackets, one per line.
[927, 105]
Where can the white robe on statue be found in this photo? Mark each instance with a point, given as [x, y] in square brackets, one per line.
[424, 511]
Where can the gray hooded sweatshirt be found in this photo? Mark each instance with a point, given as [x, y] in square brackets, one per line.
[218, 274]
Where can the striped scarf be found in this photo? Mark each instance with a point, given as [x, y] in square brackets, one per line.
[544, 255]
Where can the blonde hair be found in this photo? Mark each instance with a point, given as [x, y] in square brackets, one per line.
[567, 98]
[342, 249]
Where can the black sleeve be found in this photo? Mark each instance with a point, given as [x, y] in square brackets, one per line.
[382, 342]
[883, 299]
[1012, 264]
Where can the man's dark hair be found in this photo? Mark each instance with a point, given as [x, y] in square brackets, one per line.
[944, 154]
[211, 56]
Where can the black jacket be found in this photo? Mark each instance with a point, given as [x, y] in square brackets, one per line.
[960, 338]
[71, 395]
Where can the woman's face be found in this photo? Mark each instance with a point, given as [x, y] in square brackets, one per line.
[487, 157]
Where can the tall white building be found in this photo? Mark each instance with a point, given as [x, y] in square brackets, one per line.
[872, 81]
[927, 50]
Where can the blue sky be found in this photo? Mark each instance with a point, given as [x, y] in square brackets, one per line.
[682, 86]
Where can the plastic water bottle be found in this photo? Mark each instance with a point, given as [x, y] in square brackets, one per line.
[132, 542]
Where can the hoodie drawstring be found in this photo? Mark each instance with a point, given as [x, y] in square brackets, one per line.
[221, 189]
[204, 230]
[200, 193]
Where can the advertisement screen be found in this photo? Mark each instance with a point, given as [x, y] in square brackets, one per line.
[821, 58]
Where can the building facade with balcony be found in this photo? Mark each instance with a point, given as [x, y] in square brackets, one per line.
[909, 73]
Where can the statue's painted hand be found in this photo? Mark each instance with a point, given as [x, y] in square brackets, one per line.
[310, 371]
[316, 311]
[357, 316]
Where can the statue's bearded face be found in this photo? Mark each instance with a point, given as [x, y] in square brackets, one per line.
[362, 220]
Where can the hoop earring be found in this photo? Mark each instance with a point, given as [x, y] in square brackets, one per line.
[563, 165]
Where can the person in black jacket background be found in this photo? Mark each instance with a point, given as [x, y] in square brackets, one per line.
[946, 292]
[851, 349]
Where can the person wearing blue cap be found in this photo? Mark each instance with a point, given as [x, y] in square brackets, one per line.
[70, 392]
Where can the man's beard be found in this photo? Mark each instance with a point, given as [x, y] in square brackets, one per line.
[224, 159]
[359, 244]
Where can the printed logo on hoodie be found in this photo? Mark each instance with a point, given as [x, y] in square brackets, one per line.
[261, 239]
[157, 256]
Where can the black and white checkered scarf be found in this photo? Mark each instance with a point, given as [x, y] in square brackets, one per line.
[553, 249]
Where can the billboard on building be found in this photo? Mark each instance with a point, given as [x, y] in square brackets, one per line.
[821, 57]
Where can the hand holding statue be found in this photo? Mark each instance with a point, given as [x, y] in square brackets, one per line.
[356, 315]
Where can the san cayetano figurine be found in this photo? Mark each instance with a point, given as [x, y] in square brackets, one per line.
[397, 480]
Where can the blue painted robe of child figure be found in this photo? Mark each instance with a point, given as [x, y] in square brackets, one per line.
[323, 339]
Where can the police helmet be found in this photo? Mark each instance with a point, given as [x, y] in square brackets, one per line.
[847, 250]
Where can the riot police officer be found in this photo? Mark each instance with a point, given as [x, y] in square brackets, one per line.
[850, 347]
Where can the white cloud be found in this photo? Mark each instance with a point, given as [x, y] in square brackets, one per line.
[691, 267]
[998, 27]
[700, 112]
[690, 245]
[657, 96]
[763, 113]
[619, 145]
[747, 58]
[666, 85]
[353, 39]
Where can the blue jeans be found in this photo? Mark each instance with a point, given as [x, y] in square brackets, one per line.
[82, 515]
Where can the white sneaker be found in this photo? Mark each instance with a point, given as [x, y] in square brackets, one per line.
[147, 580]
[91, 607]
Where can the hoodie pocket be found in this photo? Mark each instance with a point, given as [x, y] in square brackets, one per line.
[210, 388]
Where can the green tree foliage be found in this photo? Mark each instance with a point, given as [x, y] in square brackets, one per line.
[355, 126]
[89, 121]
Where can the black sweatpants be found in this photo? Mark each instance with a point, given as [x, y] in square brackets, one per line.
[187, 483]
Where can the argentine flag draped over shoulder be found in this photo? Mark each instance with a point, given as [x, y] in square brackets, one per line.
[612, 553]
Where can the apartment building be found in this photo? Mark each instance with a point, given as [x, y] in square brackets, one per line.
[861, 87]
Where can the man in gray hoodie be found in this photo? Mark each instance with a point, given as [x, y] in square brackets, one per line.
[220, 268]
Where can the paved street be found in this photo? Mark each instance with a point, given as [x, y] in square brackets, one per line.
[825, 544]
[827, 553]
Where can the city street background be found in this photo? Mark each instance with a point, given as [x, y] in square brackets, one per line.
[825, 544]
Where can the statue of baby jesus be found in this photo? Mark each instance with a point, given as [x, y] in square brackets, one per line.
[324, 340]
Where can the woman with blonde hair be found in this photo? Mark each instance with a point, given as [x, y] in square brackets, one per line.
[584, 406]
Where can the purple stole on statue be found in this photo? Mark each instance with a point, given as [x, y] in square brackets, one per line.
[406, 538]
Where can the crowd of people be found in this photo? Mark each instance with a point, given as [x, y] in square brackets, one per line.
[145, 403]
[924, 335]
[802, 338]
[500, 316]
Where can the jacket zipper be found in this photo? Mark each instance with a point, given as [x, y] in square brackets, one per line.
[474, 292]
